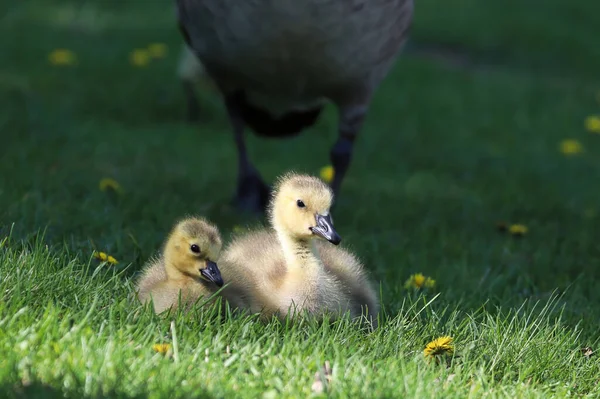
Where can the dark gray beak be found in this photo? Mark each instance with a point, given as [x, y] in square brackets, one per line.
[212, 273]
[325, 229]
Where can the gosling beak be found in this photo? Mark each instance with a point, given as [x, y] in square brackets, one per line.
[212, 273]
[325, 229]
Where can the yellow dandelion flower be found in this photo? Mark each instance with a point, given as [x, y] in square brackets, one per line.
[592, 123]
[419, 281]
[157, 50]
[139, 57]
[101, 256]
[570, 147]
[111, 260]
[439, 346]
[107, 184]
[327, 173]
[62, 57]
[518, 229]
[161, 348]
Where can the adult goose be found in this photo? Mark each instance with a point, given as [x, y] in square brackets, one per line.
[277, 62]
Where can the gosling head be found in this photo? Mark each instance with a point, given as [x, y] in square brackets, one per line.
[300, 208]
[193, 248]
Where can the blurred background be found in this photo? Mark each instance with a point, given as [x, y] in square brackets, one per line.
[490, 118]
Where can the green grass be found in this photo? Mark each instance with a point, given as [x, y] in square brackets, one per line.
[446, 153]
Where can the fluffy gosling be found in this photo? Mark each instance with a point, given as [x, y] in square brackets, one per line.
[187, 267]
[292, 267]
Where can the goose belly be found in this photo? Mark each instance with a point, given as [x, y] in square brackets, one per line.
[296, 48]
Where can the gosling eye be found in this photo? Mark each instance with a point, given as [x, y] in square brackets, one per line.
[195, 248]
[300, 204]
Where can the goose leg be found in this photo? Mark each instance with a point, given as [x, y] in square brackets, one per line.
[252, 193]
[350, 123]
[189, 70]
[193, 107]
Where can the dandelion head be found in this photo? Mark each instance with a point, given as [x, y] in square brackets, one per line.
[62, 57]
[161, 348]
[104, 257]
[518, 229]
[327, 173]
[139, 58]
[592, 124]
[108, 184]
[101, 256]
[418, 281]
[439, 346]
[157, 50]
[429, 283]
[570, 147]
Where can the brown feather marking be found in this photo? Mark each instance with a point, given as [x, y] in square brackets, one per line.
[277, 273]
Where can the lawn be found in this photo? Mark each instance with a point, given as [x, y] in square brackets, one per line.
[468, 131]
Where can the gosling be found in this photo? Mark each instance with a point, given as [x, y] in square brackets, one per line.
[186, 269]
[291, 268]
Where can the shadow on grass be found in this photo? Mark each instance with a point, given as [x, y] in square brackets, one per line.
[35, 390]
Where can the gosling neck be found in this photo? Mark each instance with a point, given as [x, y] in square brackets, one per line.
[300, 254]
[173, 272]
